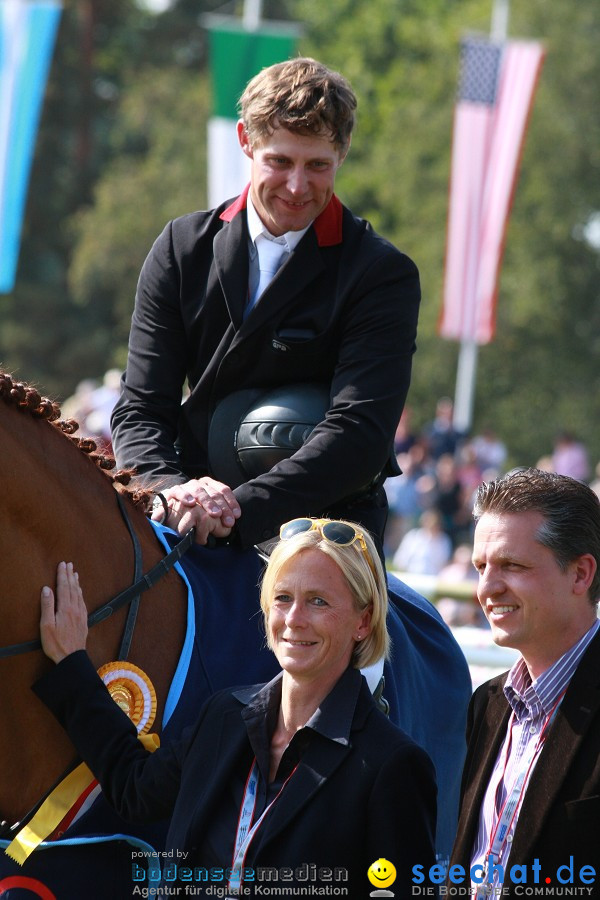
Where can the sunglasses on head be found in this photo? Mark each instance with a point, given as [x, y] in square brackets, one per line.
[334, 532]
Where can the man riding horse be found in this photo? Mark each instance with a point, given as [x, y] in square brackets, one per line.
[341, 311]
[297, 377]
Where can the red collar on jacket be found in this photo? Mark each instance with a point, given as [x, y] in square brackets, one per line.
[327, 225]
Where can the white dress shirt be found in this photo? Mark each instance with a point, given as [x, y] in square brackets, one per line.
[533, 704]
[265, 260]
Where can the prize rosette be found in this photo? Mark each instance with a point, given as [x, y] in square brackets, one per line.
[132, 690]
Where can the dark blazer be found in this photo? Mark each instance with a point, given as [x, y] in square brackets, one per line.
[560, 816]
[342, 311]
[346, 805]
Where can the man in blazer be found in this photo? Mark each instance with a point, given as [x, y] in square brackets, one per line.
[341, 311]
[530, 808]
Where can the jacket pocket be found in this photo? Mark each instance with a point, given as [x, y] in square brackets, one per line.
[298, 342]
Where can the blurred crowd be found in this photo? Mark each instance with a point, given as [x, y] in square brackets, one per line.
[430, 526]
[91, 406]
[431, 502]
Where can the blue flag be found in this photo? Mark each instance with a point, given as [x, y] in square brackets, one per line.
[27, 35]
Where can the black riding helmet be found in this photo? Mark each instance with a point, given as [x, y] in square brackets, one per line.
[254, 429]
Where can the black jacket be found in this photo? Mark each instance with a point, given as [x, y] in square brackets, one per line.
[560, 816]
[348, 803]
[342, 311]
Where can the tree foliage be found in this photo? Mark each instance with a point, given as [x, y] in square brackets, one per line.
[44, 335]
[156, 173]
[535, 378]
[122, 149]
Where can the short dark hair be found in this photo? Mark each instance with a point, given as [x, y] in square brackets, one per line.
[303, 96]
[570, 508]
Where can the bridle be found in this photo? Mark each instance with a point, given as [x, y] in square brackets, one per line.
[130, 595]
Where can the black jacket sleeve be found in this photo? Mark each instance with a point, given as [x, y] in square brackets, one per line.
[141, 786]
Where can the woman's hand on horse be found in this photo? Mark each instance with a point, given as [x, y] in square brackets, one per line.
[63, 626]
[207, 504]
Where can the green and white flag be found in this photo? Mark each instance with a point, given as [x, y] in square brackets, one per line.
[236, 56]
[27, 35]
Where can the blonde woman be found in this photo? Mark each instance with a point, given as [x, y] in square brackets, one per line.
[303, 778]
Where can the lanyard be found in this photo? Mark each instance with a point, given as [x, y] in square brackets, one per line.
[512, 802]
[245, 829]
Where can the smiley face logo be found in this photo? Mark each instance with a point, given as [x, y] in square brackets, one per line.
[382, 873]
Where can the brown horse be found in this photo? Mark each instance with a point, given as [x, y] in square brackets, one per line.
[58, 504]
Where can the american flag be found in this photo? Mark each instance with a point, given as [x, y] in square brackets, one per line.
[496, 88]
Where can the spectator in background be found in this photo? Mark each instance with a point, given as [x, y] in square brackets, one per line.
[460, 568]
[569, 457]
[443, 492]
[404, 498]
[91, 406]
[441, 436]
[102, 401]
[79, 405]
[424, 550]
[595, 483]
[469, 471]
[460, 572]
[490, 452]
[404, 437]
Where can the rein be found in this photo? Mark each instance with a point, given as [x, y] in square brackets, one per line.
[130, 595]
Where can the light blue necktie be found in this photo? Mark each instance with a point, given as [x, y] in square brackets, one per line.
[269, 260]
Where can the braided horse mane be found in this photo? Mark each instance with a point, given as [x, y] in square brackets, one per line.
[27, 398]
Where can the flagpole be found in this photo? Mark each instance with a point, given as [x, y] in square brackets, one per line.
[466, 373]
[252, 14]
[499, 26]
